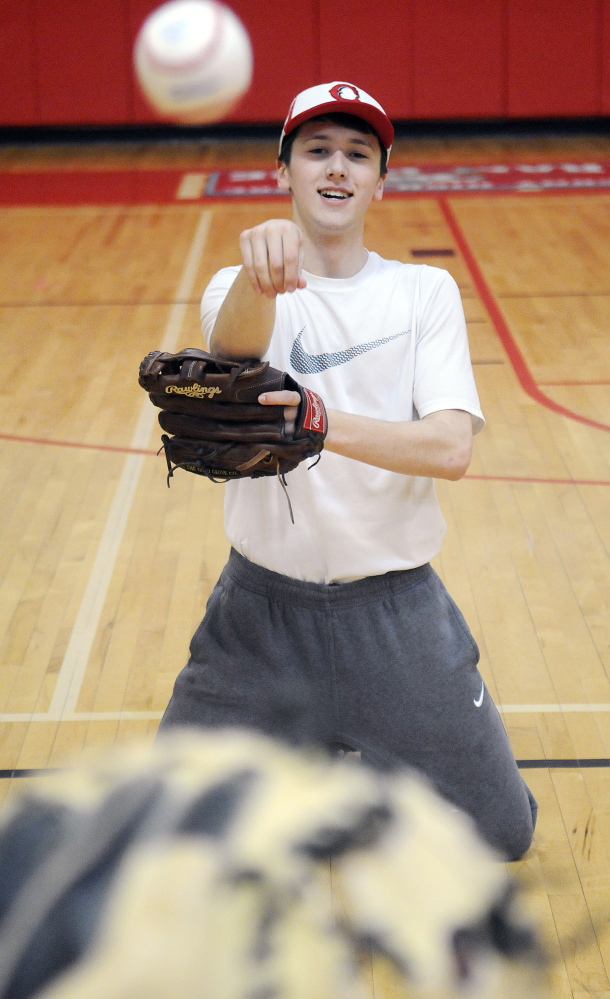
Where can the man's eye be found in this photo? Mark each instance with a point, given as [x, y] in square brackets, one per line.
[317, 149]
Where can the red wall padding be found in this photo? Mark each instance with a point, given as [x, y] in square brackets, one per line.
[458, 64]
[83, 61]
[371, 47]
[18, 92]
[605, 102]
[137, 12]
[554, 57]
[69, 61]
[284, 40]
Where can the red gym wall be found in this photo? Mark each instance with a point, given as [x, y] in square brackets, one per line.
[68, 62]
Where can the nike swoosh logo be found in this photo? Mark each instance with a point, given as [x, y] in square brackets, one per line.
[478, 703]
[309, 364]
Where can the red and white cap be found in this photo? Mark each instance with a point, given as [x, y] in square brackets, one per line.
[327, 98]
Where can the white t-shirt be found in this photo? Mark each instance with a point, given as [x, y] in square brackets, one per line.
[388, 343]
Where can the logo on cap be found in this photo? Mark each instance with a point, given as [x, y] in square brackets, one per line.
[344, 92]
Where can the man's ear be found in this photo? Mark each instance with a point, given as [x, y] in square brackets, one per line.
[283, 181]
[378, 195]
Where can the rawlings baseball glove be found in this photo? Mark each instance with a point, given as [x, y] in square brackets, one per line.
[219, 429]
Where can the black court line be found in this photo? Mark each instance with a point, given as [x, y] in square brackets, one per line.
[522, 764]
[43, 772]
[560, 764]
[433, 253]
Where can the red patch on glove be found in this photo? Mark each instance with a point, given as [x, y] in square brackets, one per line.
[315, 413]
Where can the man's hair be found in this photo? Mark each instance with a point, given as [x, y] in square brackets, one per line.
[346, 121]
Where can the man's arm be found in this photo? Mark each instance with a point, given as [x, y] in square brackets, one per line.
[438, 446]
[244, 323]
[271, 255]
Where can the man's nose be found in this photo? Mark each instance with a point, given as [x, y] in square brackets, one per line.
[337, 164]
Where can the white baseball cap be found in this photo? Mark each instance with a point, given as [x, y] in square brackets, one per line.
[327, 98]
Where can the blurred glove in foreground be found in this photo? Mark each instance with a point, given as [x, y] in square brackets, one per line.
[199, 868]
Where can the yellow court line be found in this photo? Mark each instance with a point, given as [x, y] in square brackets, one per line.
[552, 708]
[70, 716]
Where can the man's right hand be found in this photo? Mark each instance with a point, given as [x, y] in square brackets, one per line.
[273, 255]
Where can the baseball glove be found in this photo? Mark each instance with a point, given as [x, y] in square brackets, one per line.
[218, 428]
[199, 868]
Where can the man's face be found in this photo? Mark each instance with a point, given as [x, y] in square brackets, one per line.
[333, 175]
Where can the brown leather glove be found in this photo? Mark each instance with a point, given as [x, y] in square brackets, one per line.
[219, 429]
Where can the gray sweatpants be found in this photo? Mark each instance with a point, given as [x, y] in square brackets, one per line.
[385, 665]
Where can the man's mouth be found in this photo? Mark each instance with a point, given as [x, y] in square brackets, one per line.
[334, 194]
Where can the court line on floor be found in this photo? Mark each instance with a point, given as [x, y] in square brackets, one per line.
[542, 293]
[72, 670]
[83, 445]
[18, 773]
[100, 303]
[70, 715]
[81, 716]
[534, 479]
[568, 707]
[517, 360]
[562, 764]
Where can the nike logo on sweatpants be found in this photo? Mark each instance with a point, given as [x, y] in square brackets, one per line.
[307, 364]
[478, 703]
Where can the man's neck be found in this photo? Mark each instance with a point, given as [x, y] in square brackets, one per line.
[333, 255]
[334, 259]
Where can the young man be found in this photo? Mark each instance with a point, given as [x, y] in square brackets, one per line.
[338, 621]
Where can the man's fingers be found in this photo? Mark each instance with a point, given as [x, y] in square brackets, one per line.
[253, 247]
[259, 240]
[292, 252]
[247, 256]
[289, 400]
[275, 260]
[283, 398]
[302, 283]
[272, 255]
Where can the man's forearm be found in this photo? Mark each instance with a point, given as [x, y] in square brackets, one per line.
[244, 323]
[439, 446]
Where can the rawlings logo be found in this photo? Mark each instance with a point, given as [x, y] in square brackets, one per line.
[194, 391]
[315, 414]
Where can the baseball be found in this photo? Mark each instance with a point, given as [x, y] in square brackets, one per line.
[193, 60]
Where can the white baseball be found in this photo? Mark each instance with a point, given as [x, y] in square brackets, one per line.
[193, 60]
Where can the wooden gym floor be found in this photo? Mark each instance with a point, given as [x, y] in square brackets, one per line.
[104, 572]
